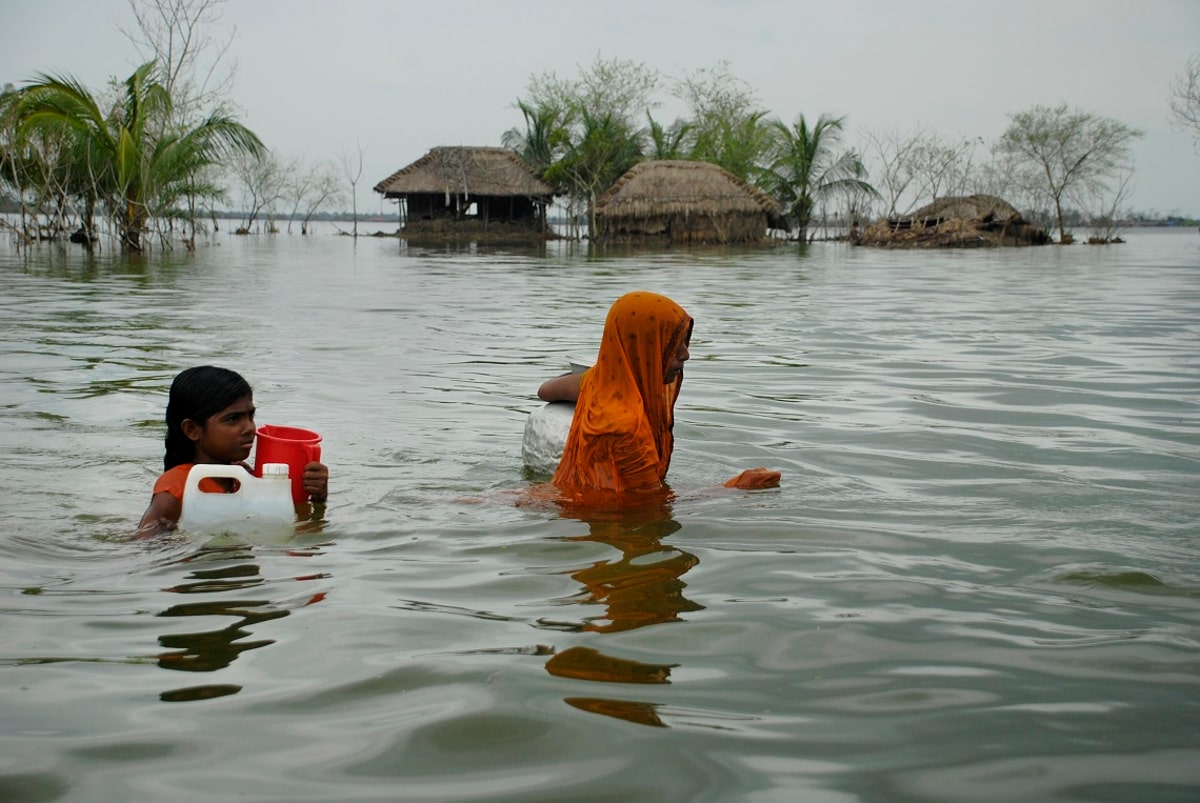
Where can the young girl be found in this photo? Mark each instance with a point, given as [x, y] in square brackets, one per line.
[210, 419]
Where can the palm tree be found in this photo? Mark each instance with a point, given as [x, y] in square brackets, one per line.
[604, 149]
[806, 168]
[128, 160]
[669, 143]
[544, 129]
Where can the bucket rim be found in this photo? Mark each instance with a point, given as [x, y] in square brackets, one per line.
[288, 433]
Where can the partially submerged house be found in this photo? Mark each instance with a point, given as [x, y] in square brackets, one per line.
[455, 191]
[684, 202]
[971, 221]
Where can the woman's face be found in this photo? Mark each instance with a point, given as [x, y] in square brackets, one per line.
[675, 363]
[225, 437]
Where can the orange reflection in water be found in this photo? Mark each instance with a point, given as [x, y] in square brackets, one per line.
[588, 664]
[644, 586]
[212, 650]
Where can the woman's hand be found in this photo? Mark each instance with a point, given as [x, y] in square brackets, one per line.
[754, 478]
[316, 481]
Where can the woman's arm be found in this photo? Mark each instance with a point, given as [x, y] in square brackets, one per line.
[754, 478]
[561, 388]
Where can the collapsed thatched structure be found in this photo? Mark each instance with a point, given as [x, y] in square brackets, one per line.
[971, 221]
[684, 202]
[452, 191]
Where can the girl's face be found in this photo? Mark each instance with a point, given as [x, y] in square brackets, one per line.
[225, 437]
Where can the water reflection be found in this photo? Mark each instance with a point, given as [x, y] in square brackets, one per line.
[628, 710]
[643, 587]
[586, 663]
[212, 650]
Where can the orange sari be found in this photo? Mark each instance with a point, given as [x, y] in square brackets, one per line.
[620, 438]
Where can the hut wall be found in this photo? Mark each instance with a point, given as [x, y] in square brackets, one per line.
[488, 209]
[683, 229]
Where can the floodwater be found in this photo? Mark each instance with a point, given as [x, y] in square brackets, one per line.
[977, 581]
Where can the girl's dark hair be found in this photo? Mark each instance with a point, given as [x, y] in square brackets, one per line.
[198, 393]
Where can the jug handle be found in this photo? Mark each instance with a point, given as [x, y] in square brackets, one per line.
[202, 471]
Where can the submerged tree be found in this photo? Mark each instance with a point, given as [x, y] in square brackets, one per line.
[1067, 151]
[352, 168]
[184, 38]
[307, 189]
[606, 147]
[127, 160]
[1106, 208]
[582, 134]
[39, 168]
[918, 167]
[808, 168]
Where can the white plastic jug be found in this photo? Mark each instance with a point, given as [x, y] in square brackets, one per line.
[546, 431]
[257, 504]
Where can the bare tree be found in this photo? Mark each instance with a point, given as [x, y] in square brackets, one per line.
[1007, 176]
[192, 65]
[1185, 98]
[943, 168]
[1107, 207]
[325, 189]
[262, 182]
[307, 189]
[175, 34]
[352, 166]
[893, 151]
[1069, 149]
[858, 205]
[617, 87]
[919, 166]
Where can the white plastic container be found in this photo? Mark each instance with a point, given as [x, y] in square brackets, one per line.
[257, 504]
[546, 431]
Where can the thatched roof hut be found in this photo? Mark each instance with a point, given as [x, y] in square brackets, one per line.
[971, 221]
[684, 202]
[451, 190]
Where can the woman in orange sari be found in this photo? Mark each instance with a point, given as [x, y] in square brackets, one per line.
[621, 436]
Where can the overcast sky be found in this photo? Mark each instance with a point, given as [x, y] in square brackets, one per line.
[316, 79]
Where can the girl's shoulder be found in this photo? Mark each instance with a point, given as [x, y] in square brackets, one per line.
[173, 479]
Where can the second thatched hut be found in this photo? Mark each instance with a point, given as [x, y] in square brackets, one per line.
[684, 202]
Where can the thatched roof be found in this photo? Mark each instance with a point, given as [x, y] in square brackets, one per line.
[968, 207]
[956, 222]
[676, 187]
[466, 171]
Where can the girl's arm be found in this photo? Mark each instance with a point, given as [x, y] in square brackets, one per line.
[316, 481]
[160, 517]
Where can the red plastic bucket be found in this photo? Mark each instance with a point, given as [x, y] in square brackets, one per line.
[292, 445]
